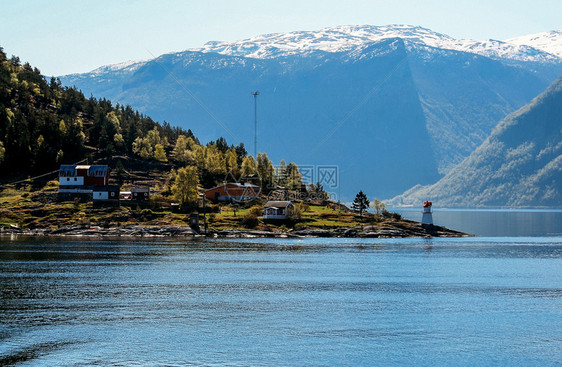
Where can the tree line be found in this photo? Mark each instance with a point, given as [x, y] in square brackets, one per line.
[44, 124]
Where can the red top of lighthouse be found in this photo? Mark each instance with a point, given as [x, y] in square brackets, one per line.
[427, 204]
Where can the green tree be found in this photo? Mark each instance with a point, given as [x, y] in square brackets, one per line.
[182, 150]
[360, 203]
[232, 163]
[159, 153]
[2, 152]
[62, 128]
[185, 185]
[119, 141]
[281, 174]
[249, 166]
[214, 161]
[199, 154]
[318, 191]
[265, 170]
[60, 155]
[378, 206]
[293, 176]
[142, 148]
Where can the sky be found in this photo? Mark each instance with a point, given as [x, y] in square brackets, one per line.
[69, 36]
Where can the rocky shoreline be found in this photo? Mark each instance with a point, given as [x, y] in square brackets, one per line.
[413, 229]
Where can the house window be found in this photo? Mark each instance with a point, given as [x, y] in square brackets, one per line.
[68, 179]
[75, 179]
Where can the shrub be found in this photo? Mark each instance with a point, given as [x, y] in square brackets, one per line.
[256, 210]
[146, 214]
[249, 220]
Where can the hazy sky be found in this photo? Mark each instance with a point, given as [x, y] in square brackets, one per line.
[69, 36]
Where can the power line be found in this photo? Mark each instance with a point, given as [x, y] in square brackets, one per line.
[36, 177]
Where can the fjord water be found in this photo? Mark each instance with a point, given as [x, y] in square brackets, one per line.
[495, 222]
[313, 302]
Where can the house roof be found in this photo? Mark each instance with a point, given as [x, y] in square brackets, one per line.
[93, 171]
[277, 204]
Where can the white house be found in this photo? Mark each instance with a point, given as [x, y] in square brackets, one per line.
[278, 210]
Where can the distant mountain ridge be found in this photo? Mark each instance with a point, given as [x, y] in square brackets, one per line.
[391, 106]
[550, 42]
[519, 165]
[347, 38]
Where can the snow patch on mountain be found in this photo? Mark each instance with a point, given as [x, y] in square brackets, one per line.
[130, 65]
[347, 38]
[550, 42]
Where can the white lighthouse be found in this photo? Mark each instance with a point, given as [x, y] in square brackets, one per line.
[427, 216]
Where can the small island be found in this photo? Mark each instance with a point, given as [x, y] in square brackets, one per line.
[87, 200]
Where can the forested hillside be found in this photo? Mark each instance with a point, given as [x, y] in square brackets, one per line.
[519, 165]
[43, 124]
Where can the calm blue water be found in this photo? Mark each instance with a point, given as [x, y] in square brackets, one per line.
[318, 302]
[495, 222]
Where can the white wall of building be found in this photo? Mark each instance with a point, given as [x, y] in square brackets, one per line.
[71, 181]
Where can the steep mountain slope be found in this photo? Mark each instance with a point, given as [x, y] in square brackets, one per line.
[520, 164]
[550, 42]
[391, 106]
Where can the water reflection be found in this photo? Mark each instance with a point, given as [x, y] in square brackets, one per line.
[280, 302]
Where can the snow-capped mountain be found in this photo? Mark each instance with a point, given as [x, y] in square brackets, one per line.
[126, 66]
[403, 104]
[550, 42]
[347, 38]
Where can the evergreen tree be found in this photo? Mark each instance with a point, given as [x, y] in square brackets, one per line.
[360, 203]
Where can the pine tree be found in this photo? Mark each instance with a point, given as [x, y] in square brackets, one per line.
[360, 203]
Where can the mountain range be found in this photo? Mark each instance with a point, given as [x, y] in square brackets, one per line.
[392, 106]
[518, 165]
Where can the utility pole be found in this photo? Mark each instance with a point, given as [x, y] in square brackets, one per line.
[255, 94]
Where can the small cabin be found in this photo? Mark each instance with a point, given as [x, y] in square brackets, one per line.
[140, 193]
[233, 192]
[278, 210]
